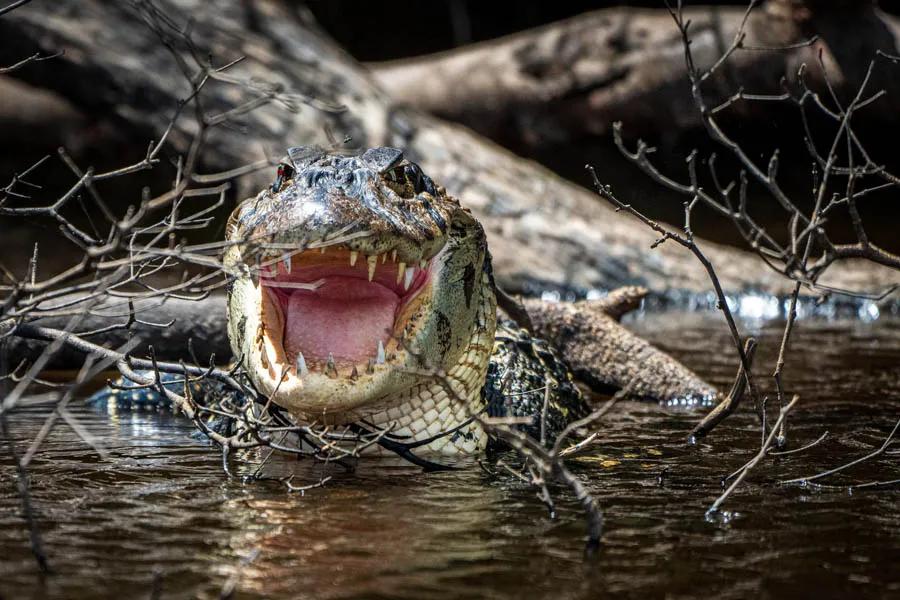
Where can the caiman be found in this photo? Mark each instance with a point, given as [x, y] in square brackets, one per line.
[354, 280]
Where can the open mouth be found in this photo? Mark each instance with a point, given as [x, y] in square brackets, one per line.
[336, 311]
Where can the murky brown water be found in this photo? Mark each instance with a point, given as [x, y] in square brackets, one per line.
[159, 508]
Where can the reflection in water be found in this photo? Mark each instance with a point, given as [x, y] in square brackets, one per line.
[364, 534]
[160, 504]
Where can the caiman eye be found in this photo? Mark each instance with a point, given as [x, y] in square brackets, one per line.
[408, 180]
[282, 174]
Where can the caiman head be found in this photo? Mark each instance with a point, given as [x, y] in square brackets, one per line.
[352, 276]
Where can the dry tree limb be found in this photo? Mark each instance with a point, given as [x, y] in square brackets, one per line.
[808, 252]
[796, 259]
[687, 240]
[731, 401]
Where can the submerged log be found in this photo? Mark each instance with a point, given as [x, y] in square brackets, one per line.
[117, 63]
[602, 354]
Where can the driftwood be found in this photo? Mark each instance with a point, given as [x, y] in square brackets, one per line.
[301, 85]
[556, 84]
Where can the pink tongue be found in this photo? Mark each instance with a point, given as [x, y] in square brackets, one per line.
[345, 316]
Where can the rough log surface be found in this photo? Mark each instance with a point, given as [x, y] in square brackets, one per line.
[540, 227]
[603, 354]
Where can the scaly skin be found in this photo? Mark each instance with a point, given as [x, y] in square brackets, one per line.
[379, 211]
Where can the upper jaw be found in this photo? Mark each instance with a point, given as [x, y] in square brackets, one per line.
[298, 219]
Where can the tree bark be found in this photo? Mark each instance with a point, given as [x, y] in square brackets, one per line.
[540, 228]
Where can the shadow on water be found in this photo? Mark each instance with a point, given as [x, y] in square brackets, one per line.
[160, 507]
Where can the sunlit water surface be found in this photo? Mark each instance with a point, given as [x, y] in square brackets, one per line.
[158, 515]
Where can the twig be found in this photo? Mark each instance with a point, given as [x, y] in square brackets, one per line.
[731, 401]
[22, 481]
[714, 508]
[852, 463]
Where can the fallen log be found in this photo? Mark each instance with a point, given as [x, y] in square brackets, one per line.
[119, 61]
[603, 354]
[557, 84]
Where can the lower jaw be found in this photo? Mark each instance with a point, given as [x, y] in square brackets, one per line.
[321, 389]
[375, 398]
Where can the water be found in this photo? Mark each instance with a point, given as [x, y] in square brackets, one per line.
[158, 512]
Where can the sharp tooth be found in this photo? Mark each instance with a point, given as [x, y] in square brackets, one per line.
[408, 277]
[354, 374]
[287, 263]
[322, 249]
[353, 255]
[330, 369]
[301, 364]
[401, 269]
[423, 264]
[379, 358]
[372, 260]
[370, 367]
[394, 255]
[383, 257]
